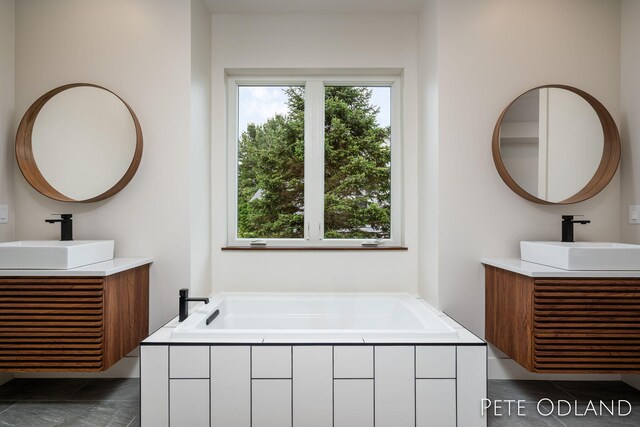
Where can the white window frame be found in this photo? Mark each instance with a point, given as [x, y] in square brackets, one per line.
[314, 159]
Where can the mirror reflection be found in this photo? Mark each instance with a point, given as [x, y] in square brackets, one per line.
[83, 141]
[79, 143]
[551, 143]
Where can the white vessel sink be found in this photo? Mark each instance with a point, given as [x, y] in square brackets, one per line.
[582, 255]
[53, 255]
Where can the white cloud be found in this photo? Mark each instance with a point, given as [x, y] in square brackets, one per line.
[381, 97]
[257, 104]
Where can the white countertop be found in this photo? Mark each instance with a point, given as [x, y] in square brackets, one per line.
[530, 269]
[101, 269]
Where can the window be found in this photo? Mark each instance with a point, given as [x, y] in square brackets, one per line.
[314, 161]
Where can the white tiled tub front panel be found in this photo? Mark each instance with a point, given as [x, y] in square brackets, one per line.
[189, 402]
[353, 403]
[394, 379]
[271, 403]
[189, 362]
[231, 386]
[312, 385]
[437, 402]
[471, 384]
[271, 361]
[435, 361]
[154, 385]
[353, 361]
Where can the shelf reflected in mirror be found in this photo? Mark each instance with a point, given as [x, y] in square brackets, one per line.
[556, 145]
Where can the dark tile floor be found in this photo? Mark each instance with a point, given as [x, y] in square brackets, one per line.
[541, 406]
[70, 402]
[116, 402]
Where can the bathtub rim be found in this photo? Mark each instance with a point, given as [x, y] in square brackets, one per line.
[163, 335]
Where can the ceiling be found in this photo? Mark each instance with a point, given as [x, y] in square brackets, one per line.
[314, 7]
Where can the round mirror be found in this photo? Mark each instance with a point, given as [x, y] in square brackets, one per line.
[79, 143]
[556, 145]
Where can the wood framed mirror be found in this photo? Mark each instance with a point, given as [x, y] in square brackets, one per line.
[79, 143]
[556, 144]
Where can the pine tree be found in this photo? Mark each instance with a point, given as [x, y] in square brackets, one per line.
[357, 170]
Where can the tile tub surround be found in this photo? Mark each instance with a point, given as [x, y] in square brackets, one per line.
[348, 382]
[312, 385]
[70, 402]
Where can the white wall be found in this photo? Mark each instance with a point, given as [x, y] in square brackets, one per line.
[200, 148]
[7, 113]
[489, 52]
[630, 126]
[428, 185]
[140, 50]
[629, 113]
[314, 42]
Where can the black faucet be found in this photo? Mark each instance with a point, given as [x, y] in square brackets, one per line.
[183, 308]
[66, 226]
[567, 226]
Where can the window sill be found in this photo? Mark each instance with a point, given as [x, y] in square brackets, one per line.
[314, 248]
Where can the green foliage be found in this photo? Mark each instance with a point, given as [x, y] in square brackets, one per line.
[357, 170]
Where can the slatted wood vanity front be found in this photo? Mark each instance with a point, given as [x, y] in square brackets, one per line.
[564, 325]
[81, 324]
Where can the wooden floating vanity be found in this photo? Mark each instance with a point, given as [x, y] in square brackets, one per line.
[81, 320]
[556, 321]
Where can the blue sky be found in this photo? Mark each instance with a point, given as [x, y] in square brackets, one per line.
[256, 104]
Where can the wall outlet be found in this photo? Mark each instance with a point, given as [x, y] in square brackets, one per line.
[634, 214]
[4, 214]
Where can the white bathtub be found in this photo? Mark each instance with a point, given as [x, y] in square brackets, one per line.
[315, 317]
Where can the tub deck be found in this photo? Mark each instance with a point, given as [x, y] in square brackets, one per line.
[315, 318]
